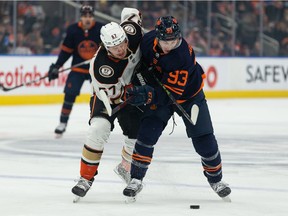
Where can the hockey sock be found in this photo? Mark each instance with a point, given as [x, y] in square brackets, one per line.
[67, 107]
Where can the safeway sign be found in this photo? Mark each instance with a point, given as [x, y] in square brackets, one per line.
[245, 73]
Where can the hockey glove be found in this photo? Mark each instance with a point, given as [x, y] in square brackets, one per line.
[141, 94]
[53, 72]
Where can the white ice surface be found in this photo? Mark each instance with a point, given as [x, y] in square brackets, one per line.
[37, 171]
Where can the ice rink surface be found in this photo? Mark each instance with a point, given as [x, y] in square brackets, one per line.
[38, 171]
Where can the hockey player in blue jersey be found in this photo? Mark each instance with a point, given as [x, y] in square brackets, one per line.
[81, 42]
[170, 60]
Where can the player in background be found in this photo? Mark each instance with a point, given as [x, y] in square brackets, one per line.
[172, 61]
[81, 42]
[111, 70]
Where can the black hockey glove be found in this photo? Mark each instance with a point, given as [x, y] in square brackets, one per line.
[53, 72]
[140, 94]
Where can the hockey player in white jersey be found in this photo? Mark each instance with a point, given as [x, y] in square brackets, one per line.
[111, 70]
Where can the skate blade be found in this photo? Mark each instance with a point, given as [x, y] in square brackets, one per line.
[130, 200]
[226, 199]
[76, 199]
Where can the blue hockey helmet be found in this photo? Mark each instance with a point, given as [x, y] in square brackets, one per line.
[167, 28]
[86, 9]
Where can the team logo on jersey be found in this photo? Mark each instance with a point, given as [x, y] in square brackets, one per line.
[87, 49]
[106, 71]
[129, 29]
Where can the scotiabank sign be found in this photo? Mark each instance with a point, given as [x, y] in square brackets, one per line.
[15, 70]
[19, 75]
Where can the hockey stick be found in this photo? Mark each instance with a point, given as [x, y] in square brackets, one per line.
[107, 105]
[37, 80]
[105, 100]
[194, 110]
[122, 105]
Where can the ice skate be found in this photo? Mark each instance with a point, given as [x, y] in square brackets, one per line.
[60, 129]
[222, 189]
[81, 188]
[132, 189]
[122, 173]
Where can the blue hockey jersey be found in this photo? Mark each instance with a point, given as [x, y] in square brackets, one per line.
[178, 70]
[81, 44]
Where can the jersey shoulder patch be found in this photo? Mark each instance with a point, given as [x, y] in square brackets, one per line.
[106, 71]
[134, 33]
[129, 28]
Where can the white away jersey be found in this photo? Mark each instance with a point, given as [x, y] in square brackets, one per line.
[112, 74]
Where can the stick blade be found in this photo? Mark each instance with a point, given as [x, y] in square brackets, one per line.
[106, 102]
[194, 113]
[3, 88]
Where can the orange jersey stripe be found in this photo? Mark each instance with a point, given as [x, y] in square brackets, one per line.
[80, 24]
[80, 70]
[66, 49]
[201, 87]
[175, 90]
[180, 101]
[203, 76]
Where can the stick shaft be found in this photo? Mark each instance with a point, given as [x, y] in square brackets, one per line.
[186, 115]
[120, 106]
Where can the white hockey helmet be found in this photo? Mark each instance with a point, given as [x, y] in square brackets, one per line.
[112, 34]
